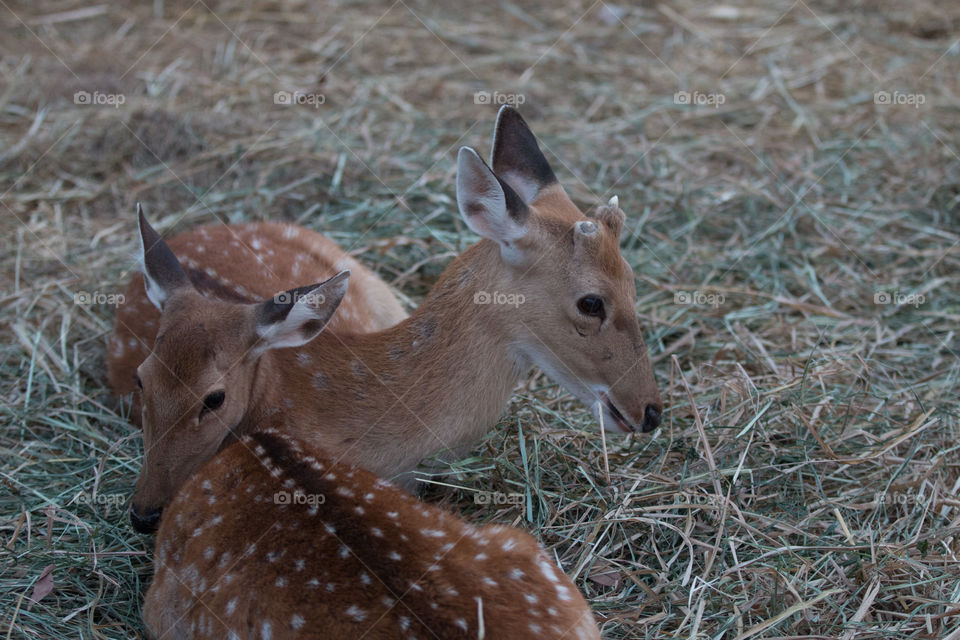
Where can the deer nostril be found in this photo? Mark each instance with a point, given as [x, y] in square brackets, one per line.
[651, 418]
[145, 522]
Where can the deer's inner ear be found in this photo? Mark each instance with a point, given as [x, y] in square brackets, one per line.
[162, 273]
[516, 157]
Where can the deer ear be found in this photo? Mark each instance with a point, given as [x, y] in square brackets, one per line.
[297, 316]
[162, 273]
[516, 156]
[487, 204]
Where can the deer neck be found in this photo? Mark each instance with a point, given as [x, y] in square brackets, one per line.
[266, 405]
[437, 381]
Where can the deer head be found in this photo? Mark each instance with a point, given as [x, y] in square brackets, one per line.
[566, 294]
[197, 383]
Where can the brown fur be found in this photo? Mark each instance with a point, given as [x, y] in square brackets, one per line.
[369, 561]
[245, 274]
[434, 382]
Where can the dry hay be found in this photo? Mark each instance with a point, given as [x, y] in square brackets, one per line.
[805, 481]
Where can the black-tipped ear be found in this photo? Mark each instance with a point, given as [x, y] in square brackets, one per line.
[162, 273]
[516, 156]
[297, 316]
[488, 205]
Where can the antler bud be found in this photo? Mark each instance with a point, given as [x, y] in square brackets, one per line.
[586, 228]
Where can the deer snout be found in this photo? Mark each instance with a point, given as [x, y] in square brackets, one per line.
[145, 521]
[651, 418]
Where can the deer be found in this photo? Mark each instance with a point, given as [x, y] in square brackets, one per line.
[275, 539]
[545, 286]
[244, 263]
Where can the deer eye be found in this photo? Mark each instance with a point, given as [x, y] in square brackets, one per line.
[136, 379]
[591, 306]
[212, 402]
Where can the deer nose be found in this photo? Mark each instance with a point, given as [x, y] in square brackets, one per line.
[145, 522]
[651, 418]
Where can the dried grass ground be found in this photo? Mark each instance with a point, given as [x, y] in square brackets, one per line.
[805, 482]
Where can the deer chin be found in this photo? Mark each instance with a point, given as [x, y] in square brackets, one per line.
[232, 435]
[613, 420]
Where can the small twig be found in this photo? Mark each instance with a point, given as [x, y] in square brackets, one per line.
[603, 441]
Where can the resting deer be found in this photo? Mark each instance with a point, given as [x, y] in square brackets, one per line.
[245, 263]
[436, 381]
[273, 540]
